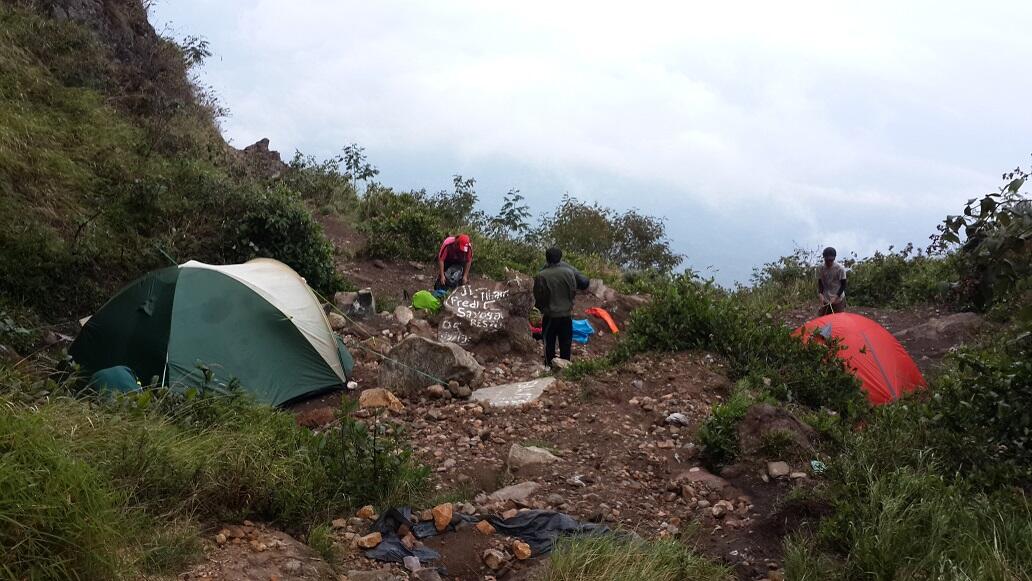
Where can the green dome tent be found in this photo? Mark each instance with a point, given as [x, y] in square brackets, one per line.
[256, 322]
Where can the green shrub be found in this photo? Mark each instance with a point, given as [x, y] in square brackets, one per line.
[370, 464]
[626, 239]
[688, 314]
[275, 223]
[325, 184]
[779, 445]
[719, 433]
[400, 225]
[902, 279]
[979, 413]
[934, 486]
[788, 281]
[608, 558]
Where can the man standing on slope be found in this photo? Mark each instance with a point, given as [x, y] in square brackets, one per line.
[454, 260]
[831, 284]
[555, 288]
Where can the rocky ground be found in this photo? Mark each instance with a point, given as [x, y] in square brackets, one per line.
[617, 448]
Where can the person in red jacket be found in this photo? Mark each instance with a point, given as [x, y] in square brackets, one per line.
[454, 260]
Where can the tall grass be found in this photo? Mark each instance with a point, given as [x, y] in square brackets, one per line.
[607, 558]
[104, 490]
[935, 487]
[912, 523]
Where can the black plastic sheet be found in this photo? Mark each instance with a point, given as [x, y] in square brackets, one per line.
[538, 528]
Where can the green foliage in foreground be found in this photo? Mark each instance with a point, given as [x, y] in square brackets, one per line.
[107, 489]
[935, 487]
[607, 558]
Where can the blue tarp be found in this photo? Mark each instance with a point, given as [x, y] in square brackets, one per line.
[582, 331]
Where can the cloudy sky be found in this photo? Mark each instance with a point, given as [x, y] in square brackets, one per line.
[751, 126]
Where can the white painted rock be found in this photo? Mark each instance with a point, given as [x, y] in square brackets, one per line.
[513, 394]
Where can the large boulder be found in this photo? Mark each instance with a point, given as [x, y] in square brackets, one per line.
[490, 315]
[418, 362]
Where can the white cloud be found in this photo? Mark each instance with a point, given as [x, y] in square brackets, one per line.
[787, 116]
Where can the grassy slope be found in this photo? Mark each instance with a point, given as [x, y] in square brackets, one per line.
[106, 161]
[110, 161]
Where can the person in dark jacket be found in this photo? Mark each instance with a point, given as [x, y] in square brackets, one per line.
[555, 288]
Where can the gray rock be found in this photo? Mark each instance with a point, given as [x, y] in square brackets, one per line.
[403, 314]
[513, 394]
[364, 305]
[494, 559]
[337, 322]
[436, 391]
[518, 493]
[938, 334]
[560, 364]
[778, 469]
[418, 362]
[555, 500]
[411, 563]
[701, 476]
[678, 419]
[292, 567]
[599, 289]
[459, 390]
[344, 300]
[524, 457]
[763, 420]
[421, 327]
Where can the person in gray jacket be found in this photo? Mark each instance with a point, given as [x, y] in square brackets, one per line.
[555, 288]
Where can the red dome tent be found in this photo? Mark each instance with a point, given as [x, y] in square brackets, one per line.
[875, 356]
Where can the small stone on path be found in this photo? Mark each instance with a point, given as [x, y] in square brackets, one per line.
[443, 515]
[778, 469]
[369, 541]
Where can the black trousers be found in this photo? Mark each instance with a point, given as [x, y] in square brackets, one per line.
[557, 329]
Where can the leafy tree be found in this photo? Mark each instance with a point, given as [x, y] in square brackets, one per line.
[994, 239]
[630, 240]
[511, 222]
